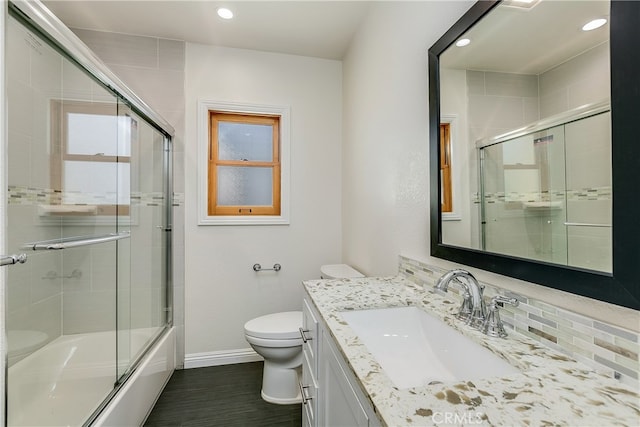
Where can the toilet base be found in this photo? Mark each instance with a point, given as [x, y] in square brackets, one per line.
[280, 401]
[280, 385]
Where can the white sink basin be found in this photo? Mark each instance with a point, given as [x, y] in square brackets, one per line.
[416, 349]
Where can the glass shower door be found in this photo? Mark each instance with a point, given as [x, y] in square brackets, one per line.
[62, 212]
[523, 196]
[589, 193]
[142, 285]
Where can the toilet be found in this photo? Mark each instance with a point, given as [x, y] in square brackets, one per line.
[276, 337]
[339, 271]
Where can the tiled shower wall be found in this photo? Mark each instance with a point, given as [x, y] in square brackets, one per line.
[500, 102]
[604, 347]
[582, 80]
[154, 69]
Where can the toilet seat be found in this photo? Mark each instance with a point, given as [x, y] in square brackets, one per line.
[273, 343]
[276, 326]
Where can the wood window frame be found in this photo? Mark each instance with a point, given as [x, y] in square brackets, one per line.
[446, 198]
[59, 151]
[213, 208]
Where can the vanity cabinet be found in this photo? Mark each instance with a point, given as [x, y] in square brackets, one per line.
[331, 393]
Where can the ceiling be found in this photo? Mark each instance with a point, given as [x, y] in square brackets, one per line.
[512, 40]
[321, 29]
[506, 40]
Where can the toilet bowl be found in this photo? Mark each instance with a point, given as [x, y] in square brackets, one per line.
[276, 337]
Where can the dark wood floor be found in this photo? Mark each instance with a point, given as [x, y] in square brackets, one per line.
[226, 396]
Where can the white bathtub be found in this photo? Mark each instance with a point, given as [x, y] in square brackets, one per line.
[62, 383]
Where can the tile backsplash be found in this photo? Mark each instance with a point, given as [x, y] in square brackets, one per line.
[604, 347]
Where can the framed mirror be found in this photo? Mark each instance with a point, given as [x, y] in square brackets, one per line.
[534, 157]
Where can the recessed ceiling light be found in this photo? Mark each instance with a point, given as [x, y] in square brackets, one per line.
[592, 25]
[463, 42]
[225, 13]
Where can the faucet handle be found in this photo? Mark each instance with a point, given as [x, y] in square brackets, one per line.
[493, 324]
[504, 300]
[465, 311]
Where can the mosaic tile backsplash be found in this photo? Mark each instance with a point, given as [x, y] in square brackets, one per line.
[607, 348]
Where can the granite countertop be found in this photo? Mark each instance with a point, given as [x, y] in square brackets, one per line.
[552, 388]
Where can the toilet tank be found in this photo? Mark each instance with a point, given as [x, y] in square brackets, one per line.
[339, 271]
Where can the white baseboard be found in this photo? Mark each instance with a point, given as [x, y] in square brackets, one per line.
[216, 358]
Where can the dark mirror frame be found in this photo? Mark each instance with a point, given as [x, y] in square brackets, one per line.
[622, 287]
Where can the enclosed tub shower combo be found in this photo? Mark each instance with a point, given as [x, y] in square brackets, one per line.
[545, 190]
[87, 234]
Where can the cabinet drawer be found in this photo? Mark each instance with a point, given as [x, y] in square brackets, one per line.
[309, 391]
[310, 335]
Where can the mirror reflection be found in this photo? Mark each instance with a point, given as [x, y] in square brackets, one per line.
[526, 146]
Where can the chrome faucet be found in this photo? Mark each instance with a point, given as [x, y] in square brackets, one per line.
[473, 310]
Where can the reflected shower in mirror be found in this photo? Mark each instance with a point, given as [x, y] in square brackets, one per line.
[526, 99]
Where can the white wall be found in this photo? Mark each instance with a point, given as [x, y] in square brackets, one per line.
[222, 291]
[459, 231]
[386, 140]
[385, 153]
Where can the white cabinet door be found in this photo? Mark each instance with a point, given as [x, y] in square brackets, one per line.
[339, 406]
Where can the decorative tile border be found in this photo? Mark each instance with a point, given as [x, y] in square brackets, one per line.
[604, 347]
[596, 193]
[39, 196]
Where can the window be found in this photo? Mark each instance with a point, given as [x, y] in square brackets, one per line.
[91, 140]
[243, 164]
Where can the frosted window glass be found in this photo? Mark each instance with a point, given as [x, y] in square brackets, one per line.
[90, 134]
[96, 183]
[245, 186]
[242, 141]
